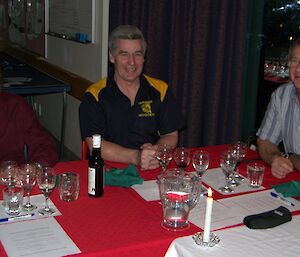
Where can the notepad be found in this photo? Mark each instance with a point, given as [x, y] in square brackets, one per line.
[231, 211]
[148, 190]
[42, 237]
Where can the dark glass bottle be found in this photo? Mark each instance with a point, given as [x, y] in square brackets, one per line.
[95, 171]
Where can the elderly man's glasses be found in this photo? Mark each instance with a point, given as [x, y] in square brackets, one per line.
[294, 62]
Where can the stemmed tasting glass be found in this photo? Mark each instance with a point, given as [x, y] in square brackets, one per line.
[200, 161]
[234, 177]
[46, 179]
[239, 151]
[182, 157]
[164, 156]
[227, 163]
[9, 173]
[28, 178]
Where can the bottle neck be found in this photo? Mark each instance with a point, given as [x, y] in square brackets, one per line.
[96, 151]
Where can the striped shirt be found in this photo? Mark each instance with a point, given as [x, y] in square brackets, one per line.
[282, 119]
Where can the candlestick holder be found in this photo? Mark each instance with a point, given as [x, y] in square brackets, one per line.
[213, 239]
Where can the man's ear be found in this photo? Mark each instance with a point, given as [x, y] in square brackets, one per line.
[111, 58]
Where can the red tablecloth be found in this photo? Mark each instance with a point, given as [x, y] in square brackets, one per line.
[121, 223]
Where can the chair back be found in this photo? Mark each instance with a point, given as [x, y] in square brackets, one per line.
[83, 150]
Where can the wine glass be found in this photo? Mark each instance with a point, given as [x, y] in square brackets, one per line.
[9, 173]
[239, 151]
[182, 157]
[164, 156]
[200, 161]
[46, 179]
[227, 163]
[28, 178]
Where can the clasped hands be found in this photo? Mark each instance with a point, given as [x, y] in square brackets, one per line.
[148, 159]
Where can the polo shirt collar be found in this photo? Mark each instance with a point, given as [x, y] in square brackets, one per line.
[111, 83]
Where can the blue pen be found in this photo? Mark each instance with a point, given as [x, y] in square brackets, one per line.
[17, 217]
[282, 198]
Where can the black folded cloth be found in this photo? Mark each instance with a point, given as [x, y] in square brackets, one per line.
[268, 219]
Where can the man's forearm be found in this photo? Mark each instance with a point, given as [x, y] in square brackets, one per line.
[267, 150]
[170, 139]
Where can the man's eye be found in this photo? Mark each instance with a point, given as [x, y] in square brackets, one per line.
[294, 62]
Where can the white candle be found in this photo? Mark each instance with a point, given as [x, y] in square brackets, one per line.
[209, 203]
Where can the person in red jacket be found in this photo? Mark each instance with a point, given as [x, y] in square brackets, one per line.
[19, 126]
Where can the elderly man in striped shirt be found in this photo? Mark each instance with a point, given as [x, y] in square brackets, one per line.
[281, 123]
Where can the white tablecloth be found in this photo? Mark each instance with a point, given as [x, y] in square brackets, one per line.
[283, 240]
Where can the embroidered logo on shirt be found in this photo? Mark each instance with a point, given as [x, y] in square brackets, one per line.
[146, 109]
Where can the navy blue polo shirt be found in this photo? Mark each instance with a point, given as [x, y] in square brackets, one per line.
[107, 111]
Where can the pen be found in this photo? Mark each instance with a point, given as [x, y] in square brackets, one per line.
[282, 198]
[17, 217]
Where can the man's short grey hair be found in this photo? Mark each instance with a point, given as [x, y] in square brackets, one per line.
[292, 47]
[125, 32]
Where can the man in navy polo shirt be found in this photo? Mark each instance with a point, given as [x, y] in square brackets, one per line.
[133, 112]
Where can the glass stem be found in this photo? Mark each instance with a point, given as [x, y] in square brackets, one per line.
[10, 188]
[28, 198]
[46, 203]
[200, 179]
[237, 165]
[200, 182]
[227, 182]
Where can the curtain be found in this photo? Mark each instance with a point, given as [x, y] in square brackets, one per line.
[197, 47]
[253, 69]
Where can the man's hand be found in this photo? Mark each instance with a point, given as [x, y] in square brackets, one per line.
[147, 157]
[281, 166]
[270, 153]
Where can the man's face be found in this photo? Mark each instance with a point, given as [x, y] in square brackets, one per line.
[128, 59]
[294, 67]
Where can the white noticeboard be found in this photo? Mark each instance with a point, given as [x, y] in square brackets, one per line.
[72, 19]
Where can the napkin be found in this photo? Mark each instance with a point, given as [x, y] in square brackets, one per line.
[289, 189]
[268, 219]
[123, 177]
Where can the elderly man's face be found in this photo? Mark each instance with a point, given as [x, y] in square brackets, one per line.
[128, 59]
[294, 67]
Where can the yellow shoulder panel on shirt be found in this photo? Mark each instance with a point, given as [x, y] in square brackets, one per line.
[159, 85]
[95, 88]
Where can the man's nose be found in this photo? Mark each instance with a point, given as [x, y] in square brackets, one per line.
[132, 59]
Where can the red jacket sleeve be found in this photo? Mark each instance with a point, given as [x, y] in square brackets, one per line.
[41, 146]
